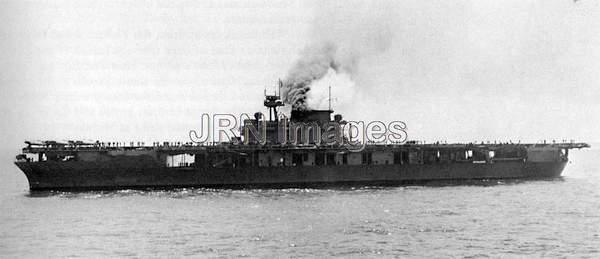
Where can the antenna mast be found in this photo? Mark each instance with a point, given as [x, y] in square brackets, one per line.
[280, 85]
[330, 98]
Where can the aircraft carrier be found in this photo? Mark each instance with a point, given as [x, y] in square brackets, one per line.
[76, 165]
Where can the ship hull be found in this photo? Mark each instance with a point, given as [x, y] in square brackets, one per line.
[79, 175]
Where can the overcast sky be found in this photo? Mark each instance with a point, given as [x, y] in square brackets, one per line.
[148, 70]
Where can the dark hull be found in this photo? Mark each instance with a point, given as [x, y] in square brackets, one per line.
[74, 175]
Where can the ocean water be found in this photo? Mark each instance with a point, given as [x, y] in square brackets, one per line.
[549, 218]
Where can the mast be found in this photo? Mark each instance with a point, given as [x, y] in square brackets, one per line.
[330, 98]
[280, 85]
